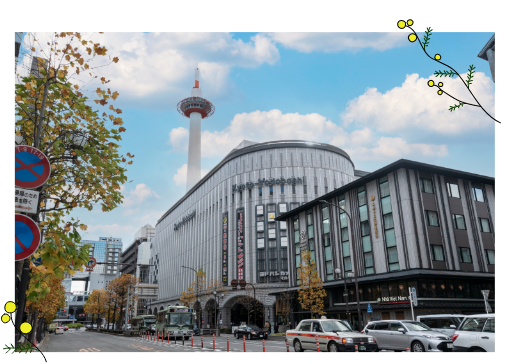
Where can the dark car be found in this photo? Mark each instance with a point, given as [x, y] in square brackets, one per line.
[196, 330]
[251, 331]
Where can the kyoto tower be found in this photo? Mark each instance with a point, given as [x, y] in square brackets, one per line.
[195, 108]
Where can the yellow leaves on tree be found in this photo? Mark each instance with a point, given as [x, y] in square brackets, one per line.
[311, 292]
[45, 293]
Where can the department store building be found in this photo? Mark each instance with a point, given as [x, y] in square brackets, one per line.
[413, 224]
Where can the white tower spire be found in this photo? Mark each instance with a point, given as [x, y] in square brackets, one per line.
[195, 108]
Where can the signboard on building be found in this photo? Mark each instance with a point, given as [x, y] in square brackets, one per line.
[392, 299]
[283, 207]
[260, 209]
[260, 243]
[240, 244]
[272, 233]
[25, 200]
[225, 249]
[284, 275]
[303, 245]
[260, 226]
[270, 216]
[284, 241]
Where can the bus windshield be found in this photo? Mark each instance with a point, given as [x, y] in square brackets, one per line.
[149, 322]
[180, 320]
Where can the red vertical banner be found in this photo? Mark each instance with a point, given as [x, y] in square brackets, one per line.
[225, 249]
[240, 244]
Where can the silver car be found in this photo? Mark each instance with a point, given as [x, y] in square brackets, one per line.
[398, 335]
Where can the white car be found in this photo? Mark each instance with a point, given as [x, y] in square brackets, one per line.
[445, 323]
[476, 333]
[59, 330]
[333, 335]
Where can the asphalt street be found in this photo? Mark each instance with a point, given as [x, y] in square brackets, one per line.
[90, 343]
[87, 341]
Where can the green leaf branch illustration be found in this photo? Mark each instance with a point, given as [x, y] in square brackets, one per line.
[23, 348]
[452, 73]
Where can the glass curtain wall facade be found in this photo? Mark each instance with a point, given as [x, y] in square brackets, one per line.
[344, 233]
[327, 242]
[388, 224]
[366, 231]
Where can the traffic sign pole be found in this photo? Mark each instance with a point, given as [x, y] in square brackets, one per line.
[413, 297]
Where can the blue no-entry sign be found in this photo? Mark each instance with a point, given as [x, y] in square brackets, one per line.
[26, 237]
[31, 167]
[369, 308]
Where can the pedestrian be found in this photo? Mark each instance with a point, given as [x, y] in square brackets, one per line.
[266, 327]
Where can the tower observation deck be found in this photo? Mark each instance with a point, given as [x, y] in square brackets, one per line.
[195, 108]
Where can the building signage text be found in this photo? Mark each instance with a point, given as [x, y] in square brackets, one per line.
[225, 250]
[374, 214]
[284, 275]
[267, 182]
[240, 244]
[185, 219]
[393, 299]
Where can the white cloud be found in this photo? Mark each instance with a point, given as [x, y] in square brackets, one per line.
[179, 139]
[415, 107]
[270, 125]
[180, 177]
[136, 197]
[396, 148]
[158, 67]
[151, 217]
[335, 42]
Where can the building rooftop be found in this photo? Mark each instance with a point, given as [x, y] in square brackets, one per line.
[247, 146]
[401, 163]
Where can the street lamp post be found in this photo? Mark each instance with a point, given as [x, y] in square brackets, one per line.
[196, 293]
[355, 260]
[215, 309]
[349, 275]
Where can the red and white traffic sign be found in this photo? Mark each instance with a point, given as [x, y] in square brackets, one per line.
[26, 237]
[90, 264]
[31, 167]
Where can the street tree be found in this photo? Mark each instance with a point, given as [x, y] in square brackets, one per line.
[96, 304]
[311, 292]
[55, 115]
[120, 288]
[44, 304]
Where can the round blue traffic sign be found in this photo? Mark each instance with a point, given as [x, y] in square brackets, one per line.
[31, 167]
[26, 237]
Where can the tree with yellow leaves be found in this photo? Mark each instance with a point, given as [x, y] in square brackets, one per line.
[311, 292]
[96, 304]
[50, 298]
[57, 87]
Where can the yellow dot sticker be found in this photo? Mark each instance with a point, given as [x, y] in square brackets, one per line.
[5, 318]
[401, 24]
[440, 84]
[412, 37]
[26, 327]
[410, 22]
[431, 83]
[438, 57]
[440, 92]
[10, 307]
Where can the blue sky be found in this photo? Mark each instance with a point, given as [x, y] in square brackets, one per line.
[363, 92]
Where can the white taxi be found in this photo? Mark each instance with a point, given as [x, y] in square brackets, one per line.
[334, 335]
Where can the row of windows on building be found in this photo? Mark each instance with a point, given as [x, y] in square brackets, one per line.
[431, 217]
[271, 192]
[426, 186]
